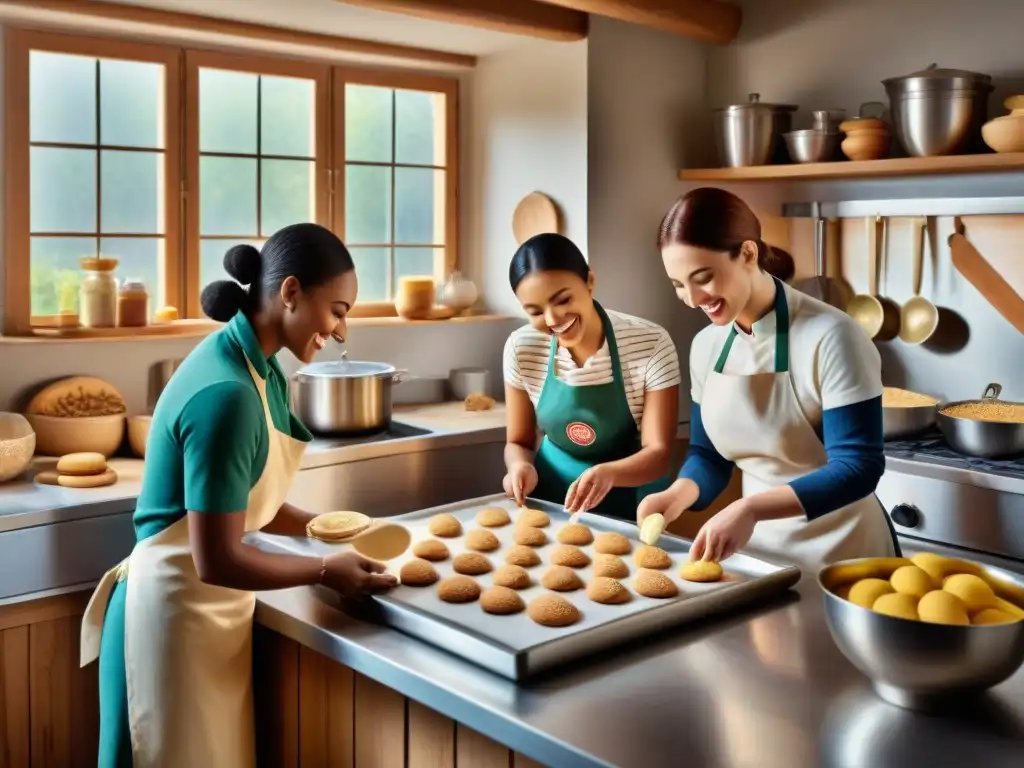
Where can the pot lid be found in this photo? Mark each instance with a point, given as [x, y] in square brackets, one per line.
[754, 102]
[934, 78]
[344, 369]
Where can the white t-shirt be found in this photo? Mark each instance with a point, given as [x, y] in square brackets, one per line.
[832, 361]
[647, 357]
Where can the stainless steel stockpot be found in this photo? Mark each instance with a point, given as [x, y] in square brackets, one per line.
[345, 397]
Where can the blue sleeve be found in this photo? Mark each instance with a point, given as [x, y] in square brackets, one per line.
[704, 465]
[853, 441]
[222, 434]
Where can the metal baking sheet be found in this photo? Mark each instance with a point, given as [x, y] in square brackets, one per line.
[514, 646]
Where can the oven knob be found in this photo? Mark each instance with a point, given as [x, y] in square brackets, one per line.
[906, 515]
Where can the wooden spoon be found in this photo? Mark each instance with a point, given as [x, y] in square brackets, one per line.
[990, 284]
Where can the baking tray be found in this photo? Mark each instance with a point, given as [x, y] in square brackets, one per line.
[514, 646]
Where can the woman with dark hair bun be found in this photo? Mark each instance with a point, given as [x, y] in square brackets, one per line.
[785, 388]
[601, 387]
[172, 624]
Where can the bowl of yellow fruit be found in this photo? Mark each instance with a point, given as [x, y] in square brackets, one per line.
[927, 628]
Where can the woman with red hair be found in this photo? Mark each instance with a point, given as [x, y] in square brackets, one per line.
[784, 387]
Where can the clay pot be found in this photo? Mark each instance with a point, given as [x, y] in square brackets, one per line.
[1006, 133]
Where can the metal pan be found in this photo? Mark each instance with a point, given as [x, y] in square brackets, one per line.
[984, 439]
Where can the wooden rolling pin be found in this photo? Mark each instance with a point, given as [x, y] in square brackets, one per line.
[983, 276]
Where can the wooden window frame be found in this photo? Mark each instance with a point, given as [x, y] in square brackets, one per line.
[255, 65]
[181, 267]
[449, 121]
[18, 44]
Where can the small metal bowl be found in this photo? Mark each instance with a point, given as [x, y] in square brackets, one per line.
[914, 664]
[812, 146]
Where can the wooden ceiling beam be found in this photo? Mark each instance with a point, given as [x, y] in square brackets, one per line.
[711, 21]
[519, 17]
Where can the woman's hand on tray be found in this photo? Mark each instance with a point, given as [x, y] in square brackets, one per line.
[589, 489]
[520, 482]
[725, 534]
[670, 503]
[352, 574]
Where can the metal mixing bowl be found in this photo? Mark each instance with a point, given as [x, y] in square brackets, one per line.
[939, 111]
[812, 145]
[915, 664]
[898, 423]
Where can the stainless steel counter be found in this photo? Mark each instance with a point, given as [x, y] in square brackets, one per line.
[755, 690]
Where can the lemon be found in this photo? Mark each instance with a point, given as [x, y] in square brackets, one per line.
[902, 606]
[941, 607]
[866, 591]
[913, 580]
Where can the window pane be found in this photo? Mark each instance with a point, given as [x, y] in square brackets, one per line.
[288, 119]
[139, 258]
[367, 204]
[62, 98]
[211, 258]
[227, 196]
[419, 206]
[131, 104]
[131, 192]
[55, 269]
[288, 192]
[372, 271]
[368, 123]
[227, 111]
[418, 124]
[63, 190]
[412, 262]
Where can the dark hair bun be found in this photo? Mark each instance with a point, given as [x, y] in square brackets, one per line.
[223, 299]
[243, 263]
[776, 262]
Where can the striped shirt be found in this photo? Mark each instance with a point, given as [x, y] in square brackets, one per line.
[647, 357]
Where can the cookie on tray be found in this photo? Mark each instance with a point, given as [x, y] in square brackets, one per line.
[482, 540]
[551, 610]
[501, 601]
[458, 589]
[444, 525]
[471, 564]
[418, 573]
[492, 517]
[612, 543]
[576, 534]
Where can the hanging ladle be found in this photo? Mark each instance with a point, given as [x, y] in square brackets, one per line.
[865, 308]
[918, 317]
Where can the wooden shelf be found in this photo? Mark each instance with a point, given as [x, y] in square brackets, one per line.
[862, 169]
[185, 329]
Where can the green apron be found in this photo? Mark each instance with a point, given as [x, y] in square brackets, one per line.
[585, 426]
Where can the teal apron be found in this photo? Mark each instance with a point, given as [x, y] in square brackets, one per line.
[585, 426]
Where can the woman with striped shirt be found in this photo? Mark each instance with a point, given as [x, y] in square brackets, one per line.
[600, 388]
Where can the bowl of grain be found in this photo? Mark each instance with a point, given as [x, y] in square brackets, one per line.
[988, 427]
[906, 413]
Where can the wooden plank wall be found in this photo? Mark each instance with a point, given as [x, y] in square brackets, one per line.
[49, 713]
[313, 712]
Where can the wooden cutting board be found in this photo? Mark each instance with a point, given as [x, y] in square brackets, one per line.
[535, 214]
[983, 276]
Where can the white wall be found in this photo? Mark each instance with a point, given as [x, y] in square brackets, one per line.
[528, 133]
[647, 118]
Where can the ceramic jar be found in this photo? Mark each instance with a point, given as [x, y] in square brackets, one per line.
[867, 136]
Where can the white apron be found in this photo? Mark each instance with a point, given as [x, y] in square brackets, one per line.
[756, 422]
[188, 645]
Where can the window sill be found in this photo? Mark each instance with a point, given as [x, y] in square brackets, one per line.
[193, 329]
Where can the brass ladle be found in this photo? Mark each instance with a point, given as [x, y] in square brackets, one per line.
[918, 317]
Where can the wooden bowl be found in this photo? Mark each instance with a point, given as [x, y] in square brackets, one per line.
[60, 435]
[138, 434]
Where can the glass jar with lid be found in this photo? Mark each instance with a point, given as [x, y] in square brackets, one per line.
[133, 304]
[97, 295]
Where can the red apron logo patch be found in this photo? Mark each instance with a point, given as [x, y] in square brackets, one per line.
[580, 433]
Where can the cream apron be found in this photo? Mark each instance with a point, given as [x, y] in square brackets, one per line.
[188, 645]
[756, 422]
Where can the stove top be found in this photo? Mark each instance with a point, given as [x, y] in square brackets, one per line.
[396, 431]
[932, 448]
